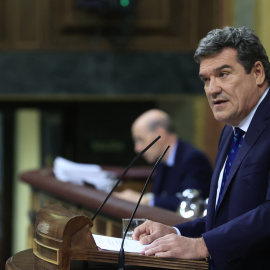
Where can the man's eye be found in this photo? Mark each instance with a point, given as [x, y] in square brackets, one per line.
[223, 74]
[137, 141]
[205, 80]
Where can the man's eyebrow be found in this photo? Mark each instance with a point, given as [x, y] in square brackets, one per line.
[222, 67]
[216, 70]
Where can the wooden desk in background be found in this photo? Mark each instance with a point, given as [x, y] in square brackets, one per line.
[86, 200]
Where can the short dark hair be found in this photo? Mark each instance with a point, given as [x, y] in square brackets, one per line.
[248, 45]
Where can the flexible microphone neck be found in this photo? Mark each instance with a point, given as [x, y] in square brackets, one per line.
[123, 175]
[121, 258]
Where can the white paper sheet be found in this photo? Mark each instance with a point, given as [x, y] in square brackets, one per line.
[114, 244]
[78, 173]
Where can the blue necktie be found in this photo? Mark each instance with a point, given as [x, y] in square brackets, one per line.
[235, 146]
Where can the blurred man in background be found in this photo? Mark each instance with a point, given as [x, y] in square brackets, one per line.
[183, 167]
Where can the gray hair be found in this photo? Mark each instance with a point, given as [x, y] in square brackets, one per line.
[248, 45]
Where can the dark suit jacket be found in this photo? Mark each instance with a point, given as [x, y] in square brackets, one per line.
[191, 170]
[237, 235]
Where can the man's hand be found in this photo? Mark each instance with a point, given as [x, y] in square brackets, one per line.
[150, 231]
[131, 195]
[175, 246]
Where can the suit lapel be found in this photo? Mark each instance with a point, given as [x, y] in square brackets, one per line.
[247, 144]
[256, 128]
[165, 174]
[225, 142]
[221, 156]
[157, 187]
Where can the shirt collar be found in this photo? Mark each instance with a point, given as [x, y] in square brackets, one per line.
[171, 155]
[244, 124]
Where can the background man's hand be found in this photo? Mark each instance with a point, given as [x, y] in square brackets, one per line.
[131, 195]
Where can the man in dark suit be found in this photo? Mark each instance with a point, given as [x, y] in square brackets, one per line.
[183, 167]
[235, 234]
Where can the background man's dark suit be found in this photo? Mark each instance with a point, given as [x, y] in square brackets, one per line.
[191, 169]
[240, 220]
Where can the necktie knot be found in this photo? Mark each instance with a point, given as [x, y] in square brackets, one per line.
[238, 132]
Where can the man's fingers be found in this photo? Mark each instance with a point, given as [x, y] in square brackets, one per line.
[148, 239]
[135, 237]
[142, 235]
[150, 231]
[157, 250]
[139, 232]
[165, 254]
[174, 246]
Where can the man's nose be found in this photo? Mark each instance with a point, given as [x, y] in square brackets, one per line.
[213, 86]
[137, 148]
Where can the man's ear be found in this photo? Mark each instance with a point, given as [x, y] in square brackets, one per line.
[160, 131]
[259, 73]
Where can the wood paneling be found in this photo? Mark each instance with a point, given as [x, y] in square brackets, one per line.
[3, 23]
[154, 25]
[25, 20]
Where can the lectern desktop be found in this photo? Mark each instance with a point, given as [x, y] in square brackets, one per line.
[62, 236]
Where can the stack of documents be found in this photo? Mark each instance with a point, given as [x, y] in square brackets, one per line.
[78, 173]
[114, 244]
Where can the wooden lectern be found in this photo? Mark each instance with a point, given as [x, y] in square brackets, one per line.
[62, 236]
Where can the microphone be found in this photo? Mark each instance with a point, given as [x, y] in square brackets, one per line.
[124, 173]
[121, 258]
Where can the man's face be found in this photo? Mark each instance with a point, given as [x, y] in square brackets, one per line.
[231, 92]
[142, 137]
